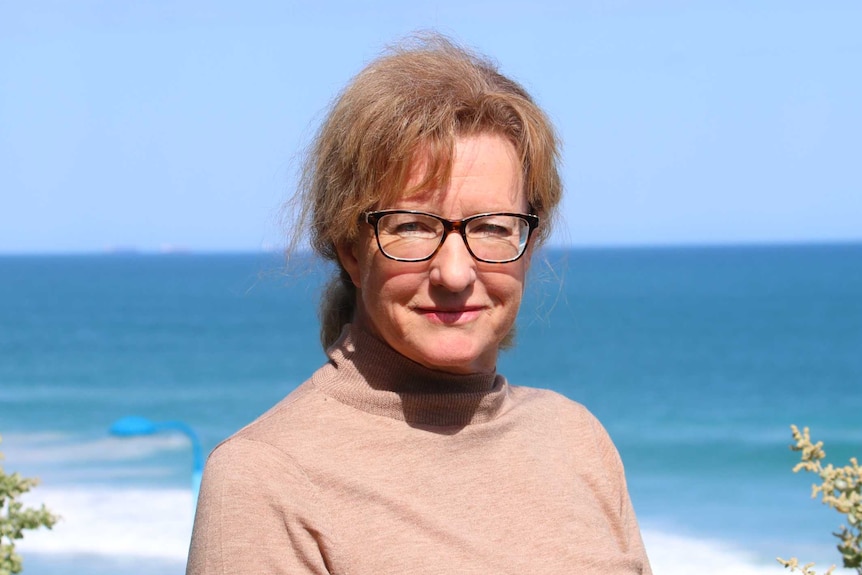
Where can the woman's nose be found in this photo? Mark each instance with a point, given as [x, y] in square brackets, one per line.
[452, 267]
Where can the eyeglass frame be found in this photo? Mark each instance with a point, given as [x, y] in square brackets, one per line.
[460, 226]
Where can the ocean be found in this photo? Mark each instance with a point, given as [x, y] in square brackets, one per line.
[696, 359]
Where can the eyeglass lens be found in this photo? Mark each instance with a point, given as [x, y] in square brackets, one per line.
[493, 238]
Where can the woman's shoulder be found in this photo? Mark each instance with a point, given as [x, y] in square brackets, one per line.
[274, 430]
[568, 418]
[548, 399]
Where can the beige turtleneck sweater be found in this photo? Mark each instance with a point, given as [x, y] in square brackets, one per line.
[378, 465]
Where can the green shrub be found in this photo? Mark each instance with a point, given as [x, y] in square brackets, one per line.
[15, 518]
[841, 489]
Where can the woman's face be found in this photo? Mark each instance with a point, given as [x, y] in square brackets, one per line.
[451, 312]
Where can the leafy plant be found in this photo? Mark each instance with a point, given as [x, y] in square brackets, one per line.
[841, 489]
[15, 518]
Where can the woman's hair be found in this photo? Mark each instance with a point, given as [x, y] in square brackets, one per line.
[412, 103]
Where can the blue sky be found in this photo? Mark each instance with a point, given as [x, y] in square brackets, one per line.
[160, 123]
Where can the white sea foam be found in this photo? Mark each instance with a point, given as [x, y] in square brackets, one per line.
[672, 554]
[157, 524]
[108, 521]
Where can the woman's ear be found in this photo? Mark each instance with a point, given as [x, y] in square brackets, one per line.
[350, 262]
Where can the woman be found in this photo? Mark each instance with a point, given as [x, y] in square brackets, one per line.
[430, 184]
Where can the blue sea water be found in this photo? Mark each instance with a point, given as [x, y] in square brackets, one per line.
[697, 360]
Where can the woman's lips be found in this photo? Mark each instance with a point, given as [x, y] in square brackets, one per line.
[451, 316]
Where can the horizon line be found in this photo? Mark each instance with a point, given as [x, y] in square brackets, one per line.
[180, 252]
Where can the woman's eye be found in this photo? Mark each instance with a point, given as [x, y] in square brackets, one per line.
[408, 227]
[492, 230]
[413, 228]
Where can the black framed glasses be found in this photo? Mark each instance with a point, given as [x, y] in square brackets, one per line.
[411, 236]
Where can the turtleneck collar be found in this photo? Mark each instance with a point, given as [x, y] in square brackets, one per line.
[367, 374]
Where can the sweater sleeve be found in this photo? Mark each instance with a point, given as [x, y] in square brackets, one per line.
[634, 535]
[628, 521]
[257, 513]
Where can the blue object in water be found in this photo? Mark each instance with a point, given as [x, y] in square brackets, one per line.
[133, 425]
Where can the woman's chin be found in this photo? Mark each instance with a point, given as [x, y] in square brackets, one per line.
[452, 358]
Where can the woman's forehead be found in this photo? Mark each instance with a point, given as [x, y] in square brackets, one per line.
[500, 200]
[478, 173]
